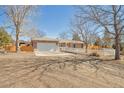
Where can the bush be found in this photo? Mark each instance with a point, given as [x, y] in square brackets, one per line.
[94, 54]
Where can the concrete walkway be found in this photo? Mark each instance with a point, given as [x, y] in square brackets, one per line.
[38, 53]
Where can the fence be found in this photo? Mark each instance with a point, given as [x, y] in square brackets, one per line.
[26, 48]
[10, 48]
[103, 51]
[72, 50]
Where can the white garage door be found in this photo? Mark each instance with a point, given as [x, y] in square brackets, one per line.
[46, 46]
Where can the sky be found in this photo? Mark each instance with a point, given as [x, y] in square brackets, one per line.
[54, 19]
[51, 19]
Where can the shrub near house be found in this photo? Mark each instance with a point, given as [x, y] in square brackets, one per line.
[5, 38]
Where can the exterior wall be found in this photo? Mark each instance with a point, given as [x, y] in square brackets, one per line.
[34, 44]
[71, 45]
[63, 44]
[78, 46]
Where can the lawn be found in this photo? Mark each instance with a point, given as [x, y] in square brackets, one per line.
[27, 70]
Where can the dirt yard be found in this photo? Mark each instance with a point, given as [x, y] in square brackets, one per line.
[27, 70]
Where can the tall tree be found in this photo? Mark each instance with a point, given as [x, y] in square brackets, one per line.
[75, 36]
[107, 41]
[63, 35]
[97, 42]
[82, 31]
[32, 33]
[17, 15]
[109, 18]
[5, 38]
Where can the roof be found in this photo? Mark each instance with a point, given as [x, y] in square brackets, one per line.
[60, 41]
[45, 39]
[70, 41]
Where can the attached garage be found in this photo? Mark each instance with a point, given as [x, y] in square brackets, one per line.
[45, 44]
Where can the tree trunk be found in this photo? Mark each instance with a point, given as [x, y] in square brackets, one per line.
[86, 48]
[17, 38]
[117, 48]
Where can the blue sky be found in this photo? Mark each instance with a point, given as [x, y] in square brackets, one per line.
[52, 19]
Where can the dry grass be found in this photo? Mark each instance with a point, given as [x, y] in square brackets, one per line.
[94, 54]
[26, 70]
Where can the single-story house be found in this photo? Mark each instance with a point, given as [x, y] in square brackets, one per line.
[71, 44]
[50, 44]
[45, 44]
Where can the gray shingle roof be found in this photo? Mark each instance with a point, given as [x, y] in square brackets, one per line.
[60, 41]
[70, 41]
[45, 39]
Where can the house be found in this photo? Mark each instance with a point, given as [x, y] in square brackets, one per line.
[71, 44]
[45, 44]
[50, 44]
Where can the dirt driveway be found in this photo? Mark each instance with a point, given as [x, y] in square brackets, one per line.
[27, 70]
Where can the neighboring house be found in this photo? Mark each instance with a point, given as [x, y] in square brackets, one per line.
[50, 44]
[22, 43]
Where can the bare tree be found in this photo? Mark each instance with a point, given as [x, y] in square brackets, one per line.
[106, 40]
[83, 29]
[32, 32]
[109, 18]
[75, 36]
[63, 35]
[17, 15]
